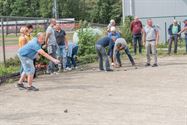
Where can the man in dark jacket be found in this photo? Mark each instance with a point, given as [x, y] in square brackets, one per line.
[173, 32]
[101, 51]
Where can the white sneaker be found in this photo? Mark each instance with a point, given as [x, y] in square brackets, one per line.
[69, 69]
[112, 64]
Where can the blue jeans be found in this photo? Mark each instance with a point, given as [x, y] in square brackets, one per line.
[63, 55]
[102, 55]
[117, 54]
[71, 60]
[137, 39]
[52, 52]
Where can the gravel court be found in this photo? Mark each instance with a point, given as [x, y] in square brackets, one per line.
[146, 96]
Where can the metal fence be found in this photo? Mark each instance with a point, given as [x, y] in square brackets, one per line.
[9, 32]
[163, 23]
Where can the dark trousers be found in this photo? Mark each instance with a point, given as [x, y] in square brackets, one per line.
[102, 56]
[137, 39]
[175, 39]
[128, 54]
[110, 52]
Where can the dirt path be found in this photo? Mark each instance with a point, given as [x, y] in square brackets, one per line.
[145, 96]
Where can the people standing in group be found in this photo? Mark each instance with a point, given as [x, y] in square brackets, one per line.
[185, 32]
[51, 45]
[136, 29]
[26, 55]
[62, 46]
[173, 31]
[101, 44]
[121, 44]
[113, 35]
[151, 39]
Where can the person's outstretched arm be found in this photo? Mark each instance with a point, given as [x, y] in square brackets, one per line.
[43, 53]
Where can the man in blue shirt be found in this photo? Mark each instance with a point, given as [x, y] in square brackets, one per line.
[26, 55]
[101, 51]
[113, 34]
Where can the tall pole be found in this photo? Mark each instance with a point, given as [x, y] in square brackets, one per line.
[55, 9]
[3, 40]
[123, 10]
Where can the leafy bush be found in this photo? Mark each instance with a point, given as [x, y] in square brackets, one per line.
[86, 43]
[8, 70]
[87, 39]
[13, 61]
[125, 29]
[87, 59]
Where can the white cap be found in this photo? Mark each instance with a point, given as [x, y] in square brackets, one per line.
[113, 29]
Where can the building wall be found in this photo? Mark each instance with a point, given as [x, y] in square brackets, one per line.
[162, 11]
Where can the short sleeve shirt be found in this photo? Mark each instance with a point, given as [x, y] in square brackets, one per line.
[150, 32]
[122, 41]
[30, 49]
[60, 37]
[52, 39]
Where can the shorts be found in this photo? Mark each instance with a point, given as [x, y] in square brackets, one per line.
[27, 64]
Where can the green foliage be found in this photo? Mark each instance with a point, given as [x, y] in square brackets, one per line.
[98, 11]
[27, 8]
[86, 42]
[106, 10]
[45, 8]
[8, 70]
[37, 30]
[87, 59]
[12, 62]
[125, 29]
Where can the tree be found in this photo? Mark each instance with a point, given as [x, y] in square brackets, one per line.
[106, 10]
[45, 8]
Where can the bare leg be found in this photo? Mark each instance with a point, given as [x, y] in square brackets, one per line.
[23, 76]
[29, 79]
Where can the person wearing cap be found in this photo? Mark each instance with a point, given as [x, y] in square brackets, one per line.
[112, 23]
[26, 55]
[101, 44]
[173, 30]
[185, 32]
[121, 44]
[136, 29]
[113, 35]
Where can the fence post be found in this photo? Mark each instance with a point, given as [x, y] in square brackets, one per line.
[6, 26]
[16, 28]
[166, 32]
[3, 41]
